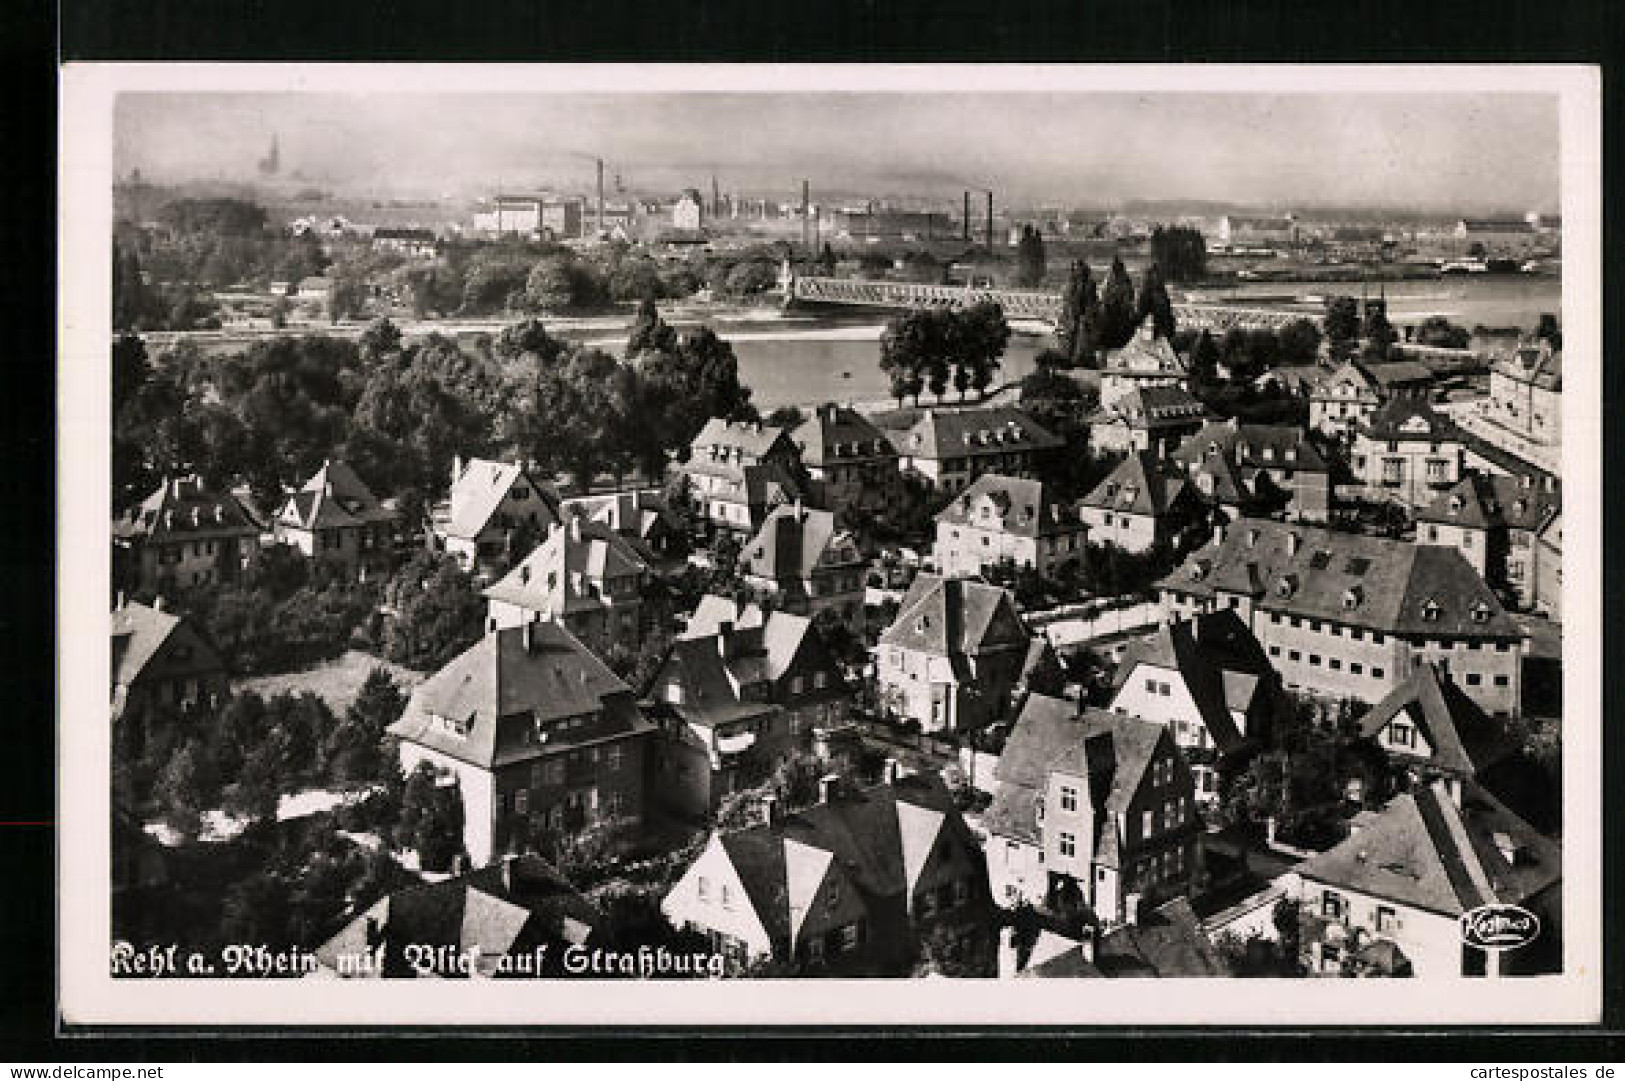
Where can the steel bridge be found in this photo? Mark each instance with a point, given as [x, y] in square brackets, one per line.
[1017, 304]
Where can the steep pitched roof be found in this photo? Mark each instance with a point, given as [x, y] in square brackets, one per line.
[1152, 408]
[564, 572]
[1147, 353]
[499, 910]
[633, 513]
[954, 616]
[1387, 585]
[714, 610]
[879, 837]
[1166, 943]
[1536, 363]
[139, 634]
[1021, 505]
[1140, 484]
[751, 438]
[1526, 502]
[942, 433]
[1347, 372]
[1398, 373]
[1109, 750]
[1222, 664]
[1408, 418]
[1425, 851]
[480, 489]
[1256, 445]
[1463, 737]
[182, 509]
[718, 671]
[834, 432]
[792, 541]
[498, 677]
[334, 496]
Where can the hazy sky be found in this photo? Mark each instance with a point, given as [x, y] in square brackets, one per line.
[1435, 152]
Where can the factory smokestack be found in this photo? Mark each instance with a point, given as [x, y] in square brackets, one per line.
[600, 196]
[989, 221]
[965, 220]
[806, 221]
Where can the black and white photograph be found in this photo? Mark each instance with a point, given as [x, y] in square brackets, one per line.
[728, 544]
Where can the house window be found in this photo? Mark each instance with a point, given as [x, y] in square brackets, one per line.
[832, 897]
[1356, 667]
[674, 693]
[1400, 735]
[615, 756]
[1387, 919]
[851, 935]
[1147, 823]
[1331, 905]
[797, 683]
[820, 680]
[1376, 673]
[702, 889]
[727, 897]
[1069, 798]
[521, 801]
[1293, 655]
[815, 949]
[1501, 681]
[1068, 845]
[1314, 659]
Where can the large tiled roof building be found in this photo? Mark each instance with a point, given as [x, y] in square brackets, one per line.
[1351, 616]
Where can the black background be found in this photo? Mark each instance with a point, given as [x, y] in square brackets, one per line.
[34, 38]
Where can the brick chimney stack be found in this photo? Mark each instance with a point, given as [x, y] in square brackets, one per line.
[827, 786]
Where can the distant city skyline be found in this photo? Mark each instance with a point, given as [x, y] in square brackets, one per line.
[1423, 152]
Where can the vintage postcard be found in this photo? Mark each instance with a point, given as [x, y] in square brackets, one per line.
[734, 545]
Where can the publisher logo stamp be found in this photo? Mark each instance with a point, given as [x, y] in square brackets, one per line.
[1499, 927]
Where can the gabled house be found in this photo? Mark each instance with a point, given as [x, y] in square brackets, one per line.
[1342, 399]
[1407, 451]
[640, 515]
[183, 535]
[1151, 419]
[862, 883]
[1510, 528]
[584, 575]
[735, 700]
[1431, 727]
[1522, 418]
[514, 919]
[805, 563]
[738, 471]
[851, 462]
[1147, 360]
[540, 736]
[1093, 810]
[950, 448]
[1280, 452]
[1351, 616]
[953, 656]
[336, 521]
[160, 660]
[1208, 682]
[1167, 942]
[1002, 518]
[1389, 899]
[492, 504]
[1144, 501]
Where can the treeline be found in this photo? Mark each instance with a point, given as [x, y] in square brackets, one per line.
[927, 349]
[268, 416]
[164, 277]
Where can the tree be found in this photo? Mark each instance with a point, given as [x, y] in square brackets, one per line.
[649, 333]
[1180, 251]
[131, 370]
[1550, 330]
[380, 341]
[356, 749]
[1030, 258]
[431, 820]
[346, 297]
[132, 299]
[187, 786]
[551, 286]
[1379, 334]
[1341, 325]
[1117, 320]
[434, 612]
[1154, 303]
[1438, 331]
[1077, 332]
[787, 417]
[1299, 342]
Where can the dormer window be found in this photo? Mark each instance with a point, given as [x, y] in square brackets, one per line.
[1199, 570]
[1351, 597]
[1455, 504]
[1481, 612]
[1286, 586]
[1430, 611]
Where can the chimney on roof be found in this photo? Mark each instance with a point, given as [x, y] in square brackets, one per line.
[892, 772]
[1293, 543]
[725, 633]
[508, 862]
[158, 603]
[827, 785]
[1131, 908]
[526, 636]
[1086, 945]
[575, 527]
[772, 813]
[827, 412]
[122, 601]
[456, 467]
